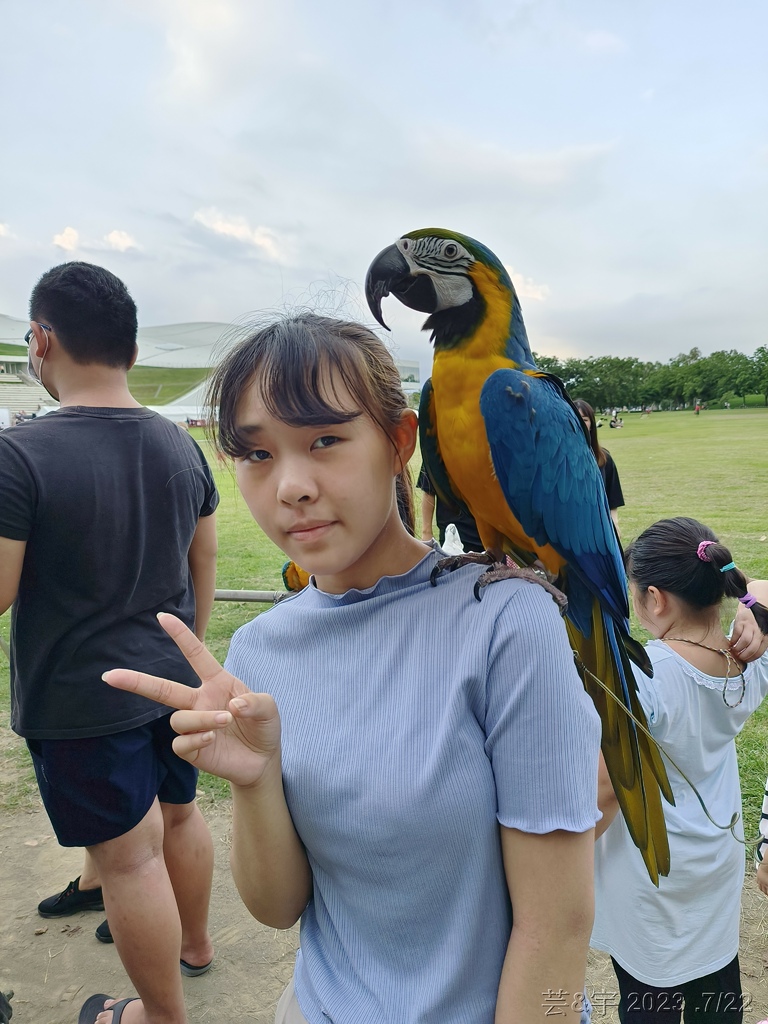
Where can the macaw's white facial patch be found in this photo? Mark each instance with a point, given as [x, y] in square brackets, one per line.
[447, 263]
[452, 290]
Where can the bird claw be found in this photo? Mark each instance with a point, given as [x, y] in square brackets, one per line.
[510, 571]
[453, 562]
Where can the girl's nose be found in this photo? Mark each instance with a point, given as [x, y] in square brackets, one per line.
[295, 486]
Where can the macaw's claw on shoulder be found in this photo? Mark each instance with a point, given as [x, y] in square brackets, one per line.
[509, 571]
[454, 562]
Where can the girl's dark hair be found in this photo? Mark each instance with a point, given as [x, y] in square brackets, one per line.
[670, 555]
[586, 410]
[292, 362]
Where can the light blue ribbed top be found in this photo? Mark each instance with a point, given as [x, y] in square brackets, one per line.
[414, 719]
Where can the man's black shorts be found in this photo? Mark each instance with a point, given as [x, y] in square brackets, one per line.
[99, 788]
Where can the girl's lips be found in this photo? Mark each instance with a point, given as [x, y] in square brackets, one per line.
[309, 531]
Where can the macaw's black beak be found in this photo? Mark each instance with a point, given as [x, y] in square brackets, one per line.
[390, 273]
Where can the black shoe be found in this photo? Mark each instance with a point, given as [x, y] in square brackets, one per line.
[103, 934]
[71, 901]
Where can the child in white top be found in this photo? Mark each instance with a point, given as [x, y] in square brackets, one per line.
[678, 944]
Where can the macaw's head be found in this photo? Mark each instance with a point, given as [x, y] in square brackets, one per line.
[459, 282]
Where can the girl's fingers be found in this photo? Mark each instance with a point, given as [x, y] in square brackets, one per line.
[193, 649]
[185, 722]
[164, 691]
[189, 746]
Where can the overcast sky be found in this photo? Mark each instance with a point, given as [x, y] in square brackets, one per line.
[223, 156]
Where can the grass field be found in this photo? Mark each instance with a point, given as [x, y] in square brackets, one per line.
[711, 467]
[161, 385]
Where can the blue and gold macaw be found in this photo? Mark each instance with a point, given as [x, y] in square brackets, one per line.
[503, 440]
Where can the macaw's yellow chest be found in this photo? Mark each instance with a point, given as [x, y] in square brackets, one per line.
[457, 382]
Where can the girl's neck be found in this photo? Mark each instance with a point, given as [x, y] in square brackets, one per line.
[701, 642]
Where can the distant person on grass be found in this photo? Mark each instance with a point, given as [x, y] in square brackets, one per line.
[414, 772]
[107, 519]
[605, 463]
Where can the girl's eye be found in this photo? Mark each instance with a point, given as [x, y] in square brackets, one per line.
[327, 441]
[258, 456]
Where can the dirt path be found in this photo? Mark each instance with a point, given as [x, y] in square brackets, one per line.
[54, 972]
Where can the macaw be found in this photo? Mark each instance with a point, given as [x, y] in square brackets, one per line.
[503, 440]
[294, 577]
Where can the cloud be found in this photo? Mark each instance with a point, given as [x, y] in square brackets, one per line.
[5, 231]
[237, 227]
[601, 41]
[68, 240]
[121, 241]
[527, 288]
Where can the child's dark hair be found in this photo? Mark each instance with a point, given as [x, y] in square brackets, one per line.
[292, 362]
[586, 410]
[684, 557]
[90, 310]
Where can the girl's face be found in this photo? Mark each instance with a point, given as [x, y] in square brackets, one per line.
[326, 494]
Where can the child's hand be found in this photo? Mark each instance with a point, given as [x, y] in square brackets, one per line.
[748, 642]
[762, 876]
[223, 727]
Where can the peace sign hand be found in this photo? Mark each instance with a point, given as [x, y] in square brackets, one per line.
[223, 727]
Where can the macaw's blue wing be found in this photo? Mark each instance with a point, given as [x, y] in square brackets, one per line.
[430, 452]
[552, 484]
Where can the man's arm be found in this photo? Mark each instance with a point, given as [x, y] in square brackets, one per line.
[11, 561]
[551, 886]
[202, 566]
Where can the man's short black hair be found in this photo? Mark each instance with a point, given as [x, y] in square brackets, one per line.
[90, 310]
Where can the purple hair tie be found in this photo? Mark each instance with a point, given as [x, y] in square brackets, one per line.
[748, 600]
[701, 550]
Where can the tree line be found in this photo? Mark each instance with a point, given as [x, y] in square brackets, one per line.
[608, 382]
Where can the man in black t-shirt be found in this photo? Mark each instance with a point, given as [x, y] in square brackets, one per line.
[107, 519]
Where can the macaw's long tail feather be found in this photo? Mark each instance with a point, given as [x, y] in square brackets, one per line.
[637, 653]
[634, 763]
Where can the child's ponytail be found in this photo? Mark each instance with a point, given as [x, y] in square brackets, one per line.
[734, 580]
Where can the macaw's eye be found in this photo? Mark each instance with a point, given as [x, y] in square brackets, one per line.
[406, 244]
[450, 250]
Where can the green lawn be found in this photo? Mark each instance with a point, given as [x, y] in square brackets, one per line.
[160, 385]
[710, 466]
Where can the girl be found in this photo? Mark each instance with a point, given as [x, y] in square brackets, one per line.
[605, 463]
[678, 944]
[410, 767]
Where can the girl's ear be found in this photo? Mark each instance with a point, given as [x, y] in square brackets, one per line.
[405, 435]
[657, 602]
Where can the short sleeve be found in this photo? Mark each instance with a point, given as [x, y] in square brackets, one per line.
[648, 697]
[19, 494]
[211, 499]
[542, 730]
[612, 483]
